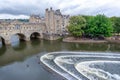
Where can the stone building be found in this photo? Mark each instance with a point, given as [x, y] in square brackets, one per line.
[55, 22]
[50, 27]
[34, 19]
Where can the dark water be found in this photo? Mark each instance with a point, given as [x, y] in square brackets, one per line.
[21, 62]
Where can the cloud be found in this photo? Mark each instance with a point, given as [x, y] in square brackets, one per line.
[93, 7]
[9, 16]
[15, 8]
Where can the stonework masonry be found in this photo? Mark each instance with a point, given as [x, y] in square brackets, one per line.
[50, 27]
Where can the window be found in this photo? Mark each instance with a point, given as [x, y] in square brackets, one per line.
[57, 21]
[17, 26]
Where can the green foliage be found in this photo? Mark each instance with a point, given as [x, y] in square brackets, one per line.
[77, 23]
[88, 29]
[92, 26]
[98, 26]
[23, 20]
[116, 24]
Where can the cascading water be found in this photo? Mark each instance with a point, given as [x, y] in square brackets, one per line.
[84, 65]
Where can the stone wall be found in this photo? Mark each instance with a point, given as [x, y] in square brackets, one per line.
[55, 22]
[49, 27]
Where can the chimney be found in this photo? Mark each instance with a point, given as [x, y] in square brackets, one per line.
[47, 9]
[51, 8]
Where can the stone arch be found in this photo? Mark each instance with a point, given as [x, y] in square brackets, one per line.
[35, 35]
[21, 36]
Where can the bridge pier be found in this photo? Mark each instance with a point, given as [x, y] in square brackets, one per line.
[41, 36]
[7, 42]
[28, 39]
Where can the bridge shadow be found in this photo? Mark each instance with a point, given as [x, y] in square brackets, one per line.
[35, 39]
[2, 50]
[21, 36]
[2, 40]
[18, 42]
[35, 42]
[2, 46]
[19, 47]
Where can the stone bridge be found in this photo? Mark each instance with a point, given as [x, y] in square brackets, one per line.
[25, 31]
[50, 27]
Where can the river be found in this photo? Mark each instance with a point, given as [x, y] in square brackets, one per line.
[22, 62]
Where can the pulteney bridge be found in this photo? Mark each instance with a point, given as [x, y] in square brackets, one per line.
[25, 31]
[49, 27]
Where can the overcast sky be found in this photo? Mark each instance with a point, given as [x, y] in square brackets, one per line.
[23, 8]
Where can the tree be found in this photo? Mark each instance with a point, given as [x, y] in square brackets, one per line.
[98, 26]
[88, 30]
[116, 24]
[77, 23]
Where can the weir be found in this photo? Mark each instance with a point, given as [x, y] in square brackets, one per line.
[84, 65]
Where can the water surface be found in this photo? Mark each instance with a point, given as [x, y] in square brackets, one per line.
[21, 62]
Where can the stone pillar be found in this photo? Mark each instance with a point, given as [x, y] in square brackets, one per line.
[47, 20]
[51, 38]
[41, 36]
[7, 42]
[28, 39]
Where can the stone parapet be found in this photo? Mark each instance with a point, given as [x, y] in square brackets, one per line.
[53, 23]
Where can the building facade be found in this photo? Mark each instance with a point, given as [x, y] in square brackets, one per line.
[50, 27]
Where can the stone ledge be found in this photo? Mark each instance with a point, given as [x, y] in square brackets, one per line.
[114, 39]
[72, 39]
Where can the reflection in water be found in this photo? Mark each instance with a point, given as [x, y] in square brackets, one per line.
[0, 44]
[88, 46]
[2, 41]
[25, 49]
[2, 50]
[14, 40]
[16, 43]
[35, 42]
[19, 46]
[14, 59]
[115, 47]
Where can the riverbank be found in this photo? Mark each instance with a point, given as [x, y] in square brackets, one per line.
[83, 40]
[114, 39]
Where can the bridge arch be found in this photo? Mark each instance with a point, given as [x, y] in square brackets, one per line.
[20, 36]
[35, 35]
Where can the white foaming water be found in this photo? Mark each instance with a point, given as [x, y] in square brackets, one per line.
[45, 60]
[80, 65]
[59, 62]
[50, 57]
[116, 76]
[96, 74]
